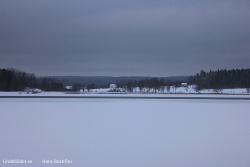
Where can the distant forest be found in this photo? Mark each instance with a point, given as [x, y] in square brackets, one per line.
[221, 79]
[16, 80]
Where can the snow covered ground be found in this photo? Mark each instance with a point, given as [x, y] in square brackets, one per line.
[179, 91]
[183, 90]
[126, 132]
[117, 94]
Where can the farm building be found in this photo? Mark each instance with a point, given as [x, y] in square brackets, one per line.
[112, 86]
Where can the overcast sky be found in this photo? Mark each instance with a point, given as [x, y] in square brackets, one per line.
[124, 38]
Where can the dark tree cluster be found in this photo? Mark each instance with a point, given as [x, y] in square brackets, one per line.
[220, 79]
[148, 85]
[76, 87]
[50, 84]
[16, 80]
[91, 86]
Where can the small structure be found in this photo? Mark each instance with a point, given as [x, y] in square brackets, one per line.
[184, 84]
[112, 86]
[32, 90]
[35, 90]
[68, 87]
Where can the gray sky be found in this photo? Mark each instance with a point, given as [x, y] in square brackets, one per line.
[124, 38]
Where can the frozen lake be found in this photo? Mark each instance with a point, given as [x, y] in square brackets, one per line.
[126, 132]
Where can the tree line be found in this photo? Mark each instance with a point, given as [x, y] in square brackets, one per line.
[16, 80]
[76, 87]
[221, 79]
[156, 85]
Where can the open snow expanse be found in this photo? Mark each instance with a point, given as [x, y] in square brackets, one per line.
[72, 94]
[126, 132]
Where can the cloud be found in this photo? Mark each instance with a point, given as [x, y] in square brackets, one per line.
[127, 37]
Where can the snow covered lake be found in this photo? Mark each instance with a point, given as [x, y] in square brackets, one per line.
[126, 132]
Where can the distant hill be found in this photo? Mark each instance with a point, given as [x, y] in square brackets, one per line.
[104, 80]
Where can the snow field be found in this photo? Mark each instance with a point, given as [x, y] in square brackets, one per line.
[179, 91]
[183, 90]
[126, 132]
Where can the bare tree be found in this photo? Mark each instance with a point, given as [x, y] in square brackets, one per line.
[248, 90]
[168, 88]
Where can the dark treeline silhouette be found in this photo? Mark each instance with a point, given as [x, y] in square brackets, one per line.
[155, 84]
[104, 81]
[50, 84]
[16, 80]
[220, 79]
[76, 87]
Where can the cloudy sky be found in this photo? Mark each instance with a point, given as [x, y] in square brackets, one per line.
[124, 38]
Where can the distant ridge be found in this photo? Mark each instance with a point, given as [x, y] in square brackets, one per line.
[104, 80]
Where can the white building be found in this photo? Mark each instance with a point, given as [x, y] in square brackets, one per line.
[112, 86]
[184, 84]
[68, 87]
